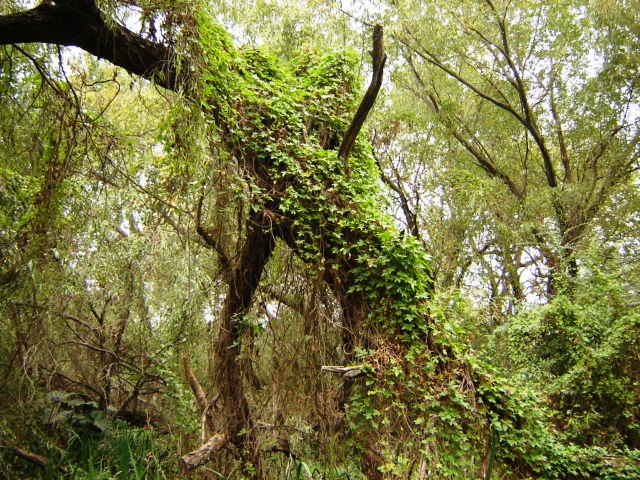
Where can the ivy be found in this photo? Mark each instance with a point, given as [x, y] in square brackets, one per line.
[282, 125]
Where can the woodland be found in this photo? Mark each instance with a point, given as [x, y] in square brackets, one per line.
[320, 239]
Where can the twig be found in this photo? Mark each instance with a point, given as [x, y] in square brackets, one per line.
[29, 456]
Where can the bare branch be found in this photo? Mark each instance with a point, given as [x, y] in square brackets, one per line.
[198, 391]
[346, 372]
[203, 454]
[30, 457]
[379, 59]
[409, 214]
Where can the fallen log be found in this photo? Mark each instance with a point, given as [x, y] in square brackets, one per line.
[203, 454]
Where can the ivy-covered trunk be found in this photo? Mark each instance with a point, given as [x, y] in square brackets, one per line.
[284, 126]
[291, 130]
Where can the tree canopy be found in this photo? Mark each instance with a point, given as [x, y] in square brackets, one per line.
[209, 262]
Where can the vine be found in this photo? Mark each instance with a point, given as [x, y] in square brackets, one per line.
[425, 403]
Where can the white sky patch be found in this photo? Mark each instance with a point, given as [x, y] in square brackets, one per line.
[136, 220]
[272, 312]
[123, 227]
[142, 179]
[92, 285]
[208, 315]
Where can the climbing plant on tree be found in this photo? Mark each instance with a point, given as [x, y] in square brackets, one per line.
[311, 185]
[290, 131]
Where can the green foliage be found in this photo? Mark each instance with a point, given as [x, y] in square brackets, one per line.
[530, 449]
[396, 279]
[578, 348]
[80, 415]
[125, 453]
[113, 284]
[418, 389]
[510, 192]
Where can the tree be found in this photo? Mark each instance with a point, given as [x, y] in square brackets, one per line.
[287, 150]
[83, 285]
[540, 98]
[488, 91]
[307, 185]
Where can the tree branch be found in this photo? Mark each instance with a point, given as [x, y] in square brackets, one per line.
[210, 240]
[564, 152]
[81, 24]
[527, 118]
[203, 454]
[409, 214]
[473, 146]
[379, 59]
[30, 457]
[198, 391]
[530, 122]
[346, 372]
[436, 62]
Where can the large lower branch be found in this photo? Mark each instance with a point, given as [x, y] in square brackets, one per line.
[80, 23]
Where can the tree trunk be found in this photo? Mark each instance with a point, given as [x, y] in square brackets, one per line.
[348, 247]
[231, 419]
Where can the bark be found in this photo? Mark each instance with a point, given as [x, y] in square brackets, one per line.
[232, 416]
[379, 59]
[198, 391]
[246, 277]
[203, 454]
[30, 457]
[81, 24]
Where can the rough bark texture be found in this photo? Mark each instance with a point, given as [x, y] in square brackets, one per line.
[233, 410]
[203, 454]
[80, 23]
[379, 59]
